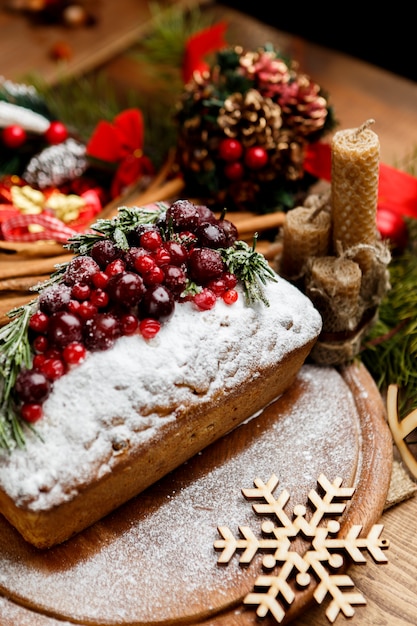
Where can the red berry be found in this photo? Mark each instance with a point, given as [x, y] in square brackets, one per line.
[129, 323]
[205, 264]
[230, 280]
[80, 291]
[102, 331]
[81, 269]
[74, 353]
[154, 277]
[38, 360]
[14, 136]
[39, 322]
[230, 296]
[126, 288]
[31, 412]
[74, 306]
[217, 286]
[144, 263]
[63, 328]
[148, 328]
[40, 344]
[32, 386]
[53, 368]
[99, 298]
[162, 256]
[100, 280]
[234, 171]
[56, 133]
[182, 215]
[205, 300]
[157, 303]
[87, 310]
[256, 157]
[115, 267]
[177, 252]
[230, 149]
[151, 240]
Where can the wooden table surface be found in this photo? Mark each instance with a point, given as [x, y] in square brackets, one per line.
[358, 91]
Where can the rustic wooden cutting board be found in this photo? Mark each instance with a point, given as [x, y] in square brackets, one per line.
[153, 561]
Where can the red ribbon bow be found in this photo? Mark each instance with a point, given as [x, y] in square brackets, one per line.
[120, 143]
[198, 46]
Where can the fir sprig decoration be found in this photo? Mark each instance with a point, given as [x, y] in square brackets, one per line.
[390, 349]
[251, 268]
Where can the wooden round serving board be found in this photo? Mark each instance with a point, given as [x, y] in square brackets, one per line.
[153, 561]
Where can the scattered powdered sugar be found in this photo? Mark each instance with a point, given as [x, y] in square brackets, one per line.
[154, 560]
[126, 393]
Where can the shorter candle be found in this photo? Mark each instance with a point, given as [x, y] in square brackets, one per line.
[306, 233]
[333, 284]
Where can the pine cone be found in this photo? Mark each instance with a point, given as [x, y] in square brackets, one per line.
[269, 72]
[303, 108]
[251, 119]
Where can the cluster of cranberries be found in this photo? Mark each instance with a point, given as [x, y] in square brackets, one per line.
[113, 292]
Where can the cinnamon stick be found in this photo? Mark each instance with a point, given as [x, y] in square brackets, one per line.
[31, 266]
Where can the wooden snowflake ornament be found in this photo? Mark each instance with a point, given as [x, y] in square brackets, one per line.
[272, 590]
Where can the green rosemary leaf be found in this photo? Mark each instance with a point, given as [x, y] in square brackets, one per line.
[15, 353]
[116, 228]
[251, 268]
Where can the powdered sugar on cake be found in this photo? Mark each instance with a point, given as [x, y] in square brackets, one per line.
[126, 393]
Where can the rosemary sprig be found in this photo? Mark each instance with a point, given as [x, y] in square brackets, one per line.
[251, 268]
[15, 353]
[116, 228]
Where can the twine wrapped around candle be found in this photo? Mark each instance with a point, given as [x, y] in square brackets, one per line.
[333, 284]
[354, 189]
[306, 233]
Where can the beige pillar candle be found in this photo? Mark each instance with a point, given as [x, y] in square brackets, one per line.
[305, 234]
[333, 284]
[354, 189]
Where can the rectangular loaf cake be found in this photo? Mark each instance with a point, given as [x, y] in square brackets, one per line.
[127, 415]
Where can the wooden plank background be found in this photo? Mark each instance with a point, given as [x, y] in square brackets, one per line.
[25, 47]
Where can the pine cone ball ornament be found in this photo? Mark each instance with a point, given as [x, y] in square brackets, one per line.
[243, 130]
[304, 107]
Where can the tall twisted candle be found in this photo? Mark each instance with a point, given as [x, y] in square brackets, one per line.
[354, 189]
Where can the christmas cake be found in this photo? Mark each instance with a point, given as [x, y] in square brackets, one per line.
[159, 336]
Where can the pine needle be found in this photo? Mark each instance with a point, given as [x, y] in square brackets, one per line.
[390, 349]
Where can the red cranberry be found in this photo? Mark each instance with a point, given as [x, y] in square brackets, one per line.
[54, 298]
[32, 386]
[63, 328]
[126, 288]
[104, 251]
[182, 215]
[158, 303]
[211, 236]
[81, 269]
[148, 328]
[102, 331]
[175, 279]
[177, 252]
[205, 264]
